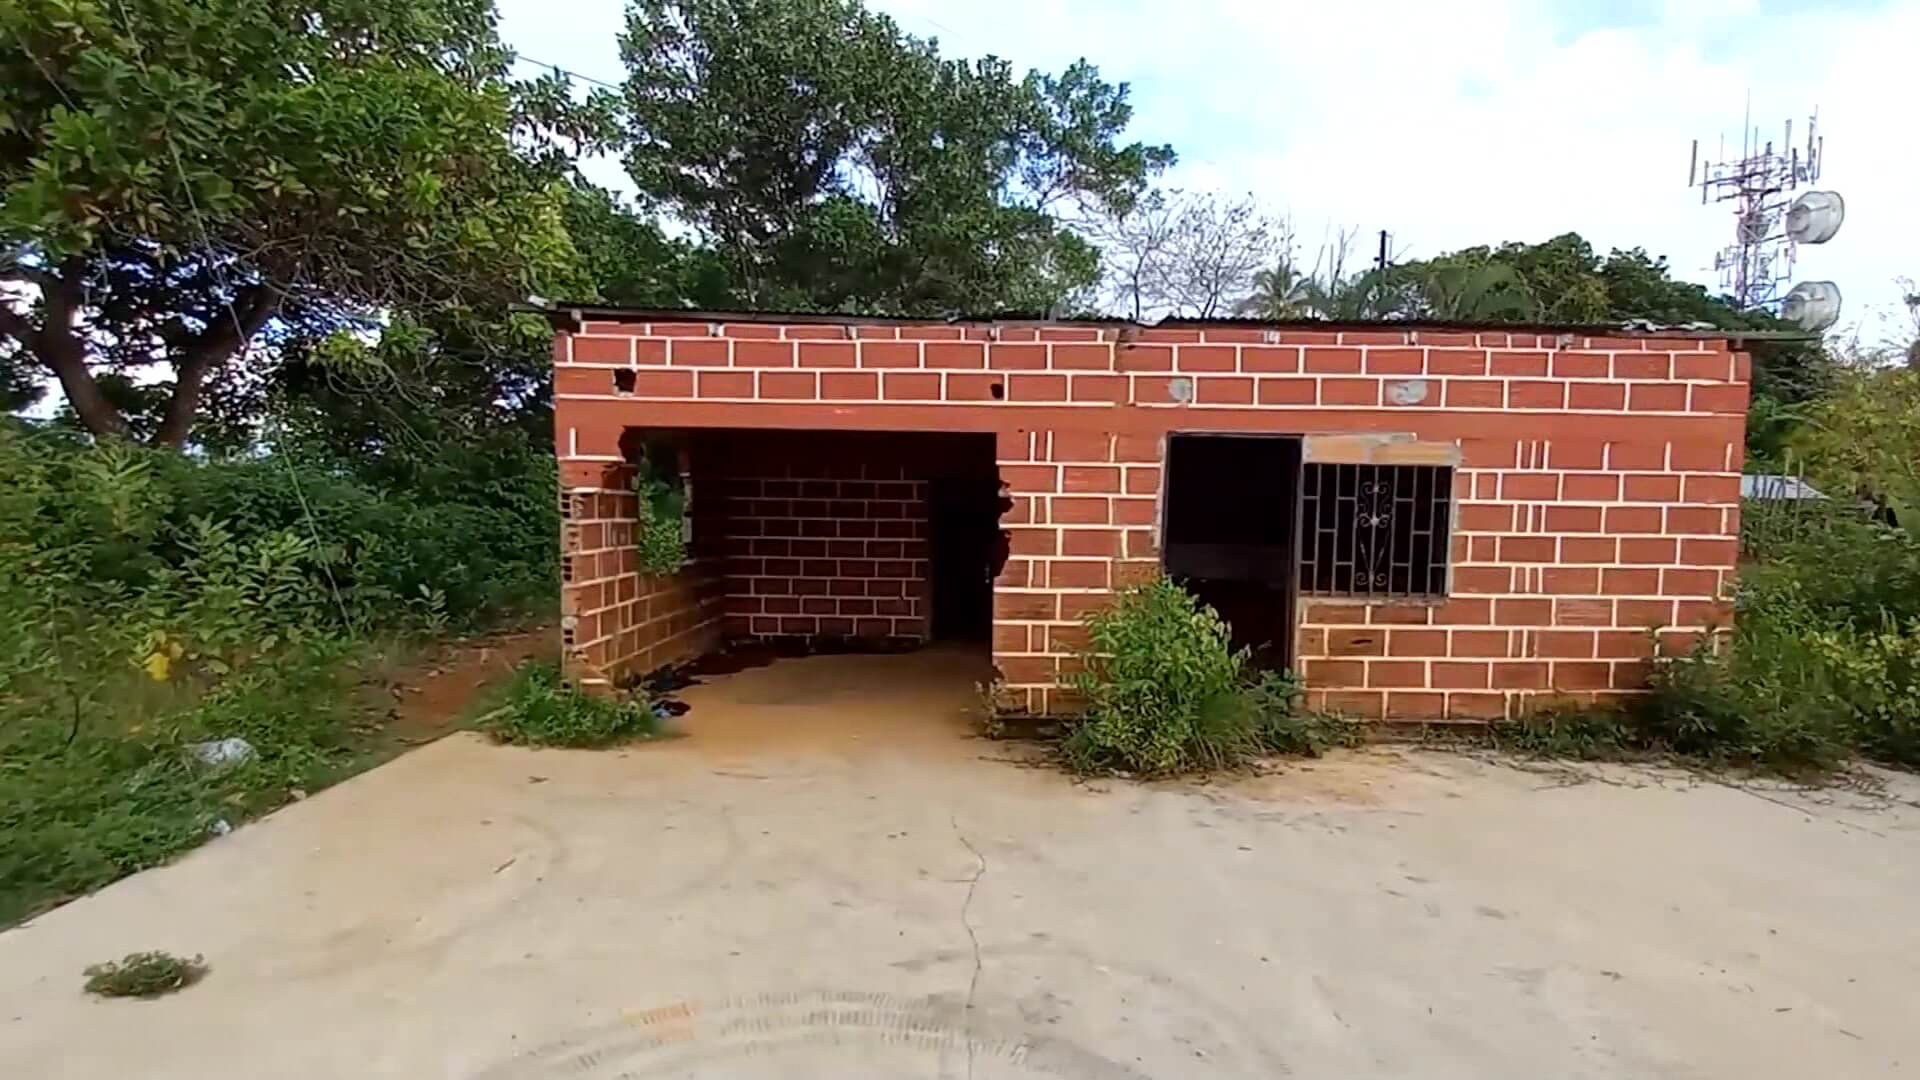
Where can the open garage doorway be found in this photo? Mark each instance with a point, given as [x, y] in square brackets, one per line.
[833, 541]
[1231, 526]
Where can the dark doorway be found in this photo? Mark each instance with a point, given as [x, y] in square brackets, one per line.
[963, 511]
[1232, 511]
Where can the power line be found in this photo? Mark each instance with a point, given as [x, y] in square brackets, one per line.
[567, 73]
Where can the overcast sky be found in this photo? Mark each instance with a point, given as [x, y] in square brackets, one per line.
[1451, 124]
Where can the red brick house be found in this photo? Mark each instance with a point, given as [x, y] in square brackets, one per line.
[1426, 521]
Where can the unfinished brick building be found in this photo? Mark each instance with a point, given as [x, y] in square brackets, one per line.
[1427, 522]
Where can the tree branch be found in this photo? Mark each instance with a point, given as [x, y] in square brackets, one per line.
[213, 347]
[58, 346]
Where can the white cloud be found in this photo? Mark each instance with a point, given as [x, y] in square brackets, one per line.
[1458, 124]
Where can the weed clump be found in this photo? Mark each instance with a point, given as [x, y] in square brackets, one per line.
[542, 709]
[1165, 692]
[144, 975]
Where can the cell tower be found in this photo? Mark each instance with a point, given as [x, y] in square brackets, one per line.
[1769, 225]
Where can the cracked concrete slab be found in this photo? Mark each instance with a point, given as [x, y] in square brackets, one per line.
[829, 876]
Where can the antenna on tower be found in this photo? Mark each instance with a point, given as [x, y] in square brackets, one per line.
[1769, 224]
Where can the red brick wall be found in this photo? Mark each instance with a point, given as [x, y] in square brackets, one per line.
[826, 550]
[616, 622]
[1597, 494]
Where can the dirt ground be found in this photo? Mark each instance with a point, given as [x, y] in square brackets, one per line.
[828, 876]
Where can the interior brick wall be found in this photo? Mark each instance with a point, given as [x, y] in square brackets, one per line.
[826, 550]
[1597, 496]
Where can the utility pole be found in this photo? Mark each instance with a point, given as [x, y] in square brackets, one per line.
[1380, 264]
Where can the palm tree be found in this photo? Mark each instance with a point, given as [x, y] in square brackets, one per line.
[1279, 294]
[1486, 292]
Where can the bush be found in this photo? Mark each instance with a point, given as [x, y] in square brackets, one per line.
[1165, 692]
[544, 710]
[144, 975]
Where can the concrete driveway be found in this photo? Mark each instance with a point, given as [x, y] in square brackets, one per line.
[829, 878]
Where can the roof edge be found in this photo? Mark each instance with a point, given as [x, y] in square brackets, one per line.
[571, 316]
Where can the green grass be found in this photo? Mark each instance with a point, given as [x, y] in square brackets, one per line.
[542, 709]
[144, 975]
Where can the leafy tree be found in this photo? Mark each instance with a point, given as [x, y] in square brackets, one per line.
[836, 163]
[1179, 253]
[184, 178]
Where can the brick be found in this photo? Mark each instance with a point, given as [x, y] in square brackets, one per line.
[602, 350]
[1224, 391]
[725, 384]
[1349, 391]
[1111, 389]
[1395, 362]
[1643, 550]
[1635, 519]
[1650, 488]
[1455, 675]
[1652, 366]
[1036, 387]
[1336, 673]
[1482, 579]
[892, 354]
[1205, 358]
[1631, 675]
[1529, 485]
[1730, 399]
[1686, 581]
[1357, 641]
[1445, 361]
[1697, 520]
[828, 354]
[1080, 446]
[663, 384]
[1711, 489]
[1518, 363]
[1397, 674]
[1143, 481]
[1566, 519]
[1144, 358]
[1636, 456]
[1629, 581]
[1281, 391]
[1570, 580]
[1083, 357]
[1336, 613]
[1137, 448]
[1596, 397]
[1399, 614]
[1416, 705]
[1326, 361]
[1474, 394]
[1476, 706]
[1025, 607]
[1037, 478]
[1712, 367]
[1523, 612]
[1096, 478]
[1464, 611]
[1657, 397]
[1581, 365]
[910, 386]
[1354, 704]
[953, 354]
[1033, 541]
[976, 387]
[1485, 517]
[1479, 643]
[1709, 553]
[1096, 542]
[1027, 669]
[1266, 359]
[1699, 457]
[1403, 641]
[1702, 612]
[1571, 644]
[1077, 574]
[1535, 394]
[1528, 549]
[1643, 613]
[1089, 511]
[1523, 675]
[1133, 511]
[1570, 611]
[699, 352]
[1623, 644]
[1593, 675]
[763, 354]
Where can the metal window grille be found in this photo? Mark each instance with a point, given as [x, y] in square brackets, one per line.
[1379, 532]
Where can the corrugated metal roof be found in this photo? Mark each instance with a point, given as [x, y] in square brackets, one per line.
[1776, 486]
[561, 313]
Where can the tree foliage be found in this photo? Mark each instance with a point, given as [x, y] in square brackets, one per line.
[835, 163]
[182, 176]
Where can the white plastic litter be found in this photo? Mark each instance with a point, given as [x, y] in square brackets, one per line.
[220, 753]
